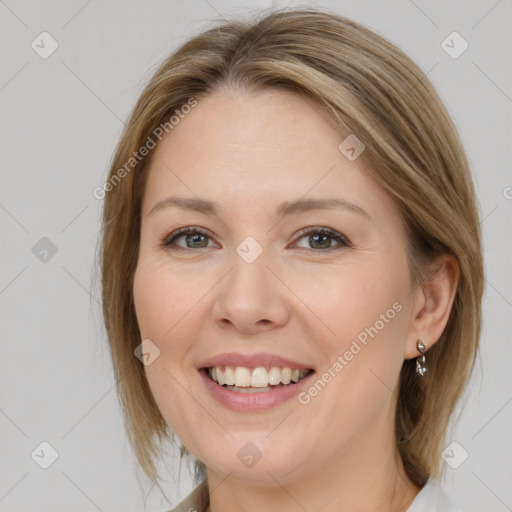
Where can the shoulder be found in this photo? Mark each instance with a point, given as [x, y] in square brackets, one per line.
[197, 501]
[432, 498]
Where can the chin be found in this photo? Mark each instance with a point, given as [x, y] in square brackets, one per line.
[259, 462]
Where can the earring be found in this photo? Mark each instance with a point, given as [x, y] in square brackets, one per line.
[421, 367]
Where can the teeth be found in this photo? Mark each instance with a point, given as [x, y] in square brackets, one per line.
[229, 376]
[286, 375]
[256, 378]
[274, 376]
[242, 377]
[259, 378]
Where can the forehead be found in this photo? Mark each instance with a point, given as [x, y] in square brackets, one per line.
[265, 147]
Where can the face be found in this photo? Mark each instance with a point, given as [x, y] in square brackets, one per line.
[325, 289]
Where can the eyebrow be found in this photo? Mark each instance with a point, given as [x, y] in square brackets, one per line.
[285, 209]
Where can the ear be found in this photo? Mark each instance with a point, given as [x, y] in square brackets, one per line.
[432, 305]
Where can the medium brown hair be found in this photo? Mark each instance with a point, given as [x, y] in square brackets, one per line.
[371, 89]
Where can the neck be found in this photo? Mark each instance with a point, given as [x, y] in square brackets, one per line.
[368, 476]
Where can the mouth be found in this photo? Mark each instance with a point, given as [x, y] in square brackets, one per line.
[256, 395]
[261, 379]
[253, 382]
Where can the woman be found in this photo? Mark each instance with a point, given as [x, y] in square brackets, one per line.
[292, 269]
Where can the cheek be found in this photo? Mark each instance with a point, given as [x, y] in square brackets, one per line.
[350, 301]
[163, 299]
[362, 359]
[164, 308]
[363, 314]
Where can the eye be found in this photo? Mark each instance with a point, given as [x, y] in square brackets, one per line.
[321, 238]
[194, 238]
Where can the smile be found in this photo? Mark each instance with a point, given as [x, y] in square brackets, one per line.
[257, 380]
[244, 389]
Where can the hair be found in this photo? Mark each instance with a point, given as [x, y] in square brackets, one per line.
[371, 89]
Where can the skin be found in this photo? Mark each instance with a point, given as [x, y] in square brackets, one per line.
[250, 152]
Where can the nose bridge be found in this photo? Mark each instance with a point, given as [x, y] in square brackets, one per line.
[249, 263]
[251, 296]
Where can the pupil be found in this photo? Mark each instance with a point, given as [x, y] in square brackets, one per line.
[196, 238]
[316, 237]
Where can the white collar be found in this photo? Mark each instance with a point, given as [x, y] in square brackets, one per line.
[432, 498]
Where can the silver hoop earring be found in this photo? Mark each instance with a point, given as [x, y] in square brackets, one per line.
[421, 367]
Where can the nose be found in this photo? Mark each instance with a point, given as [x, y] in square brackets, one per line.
[251, 298]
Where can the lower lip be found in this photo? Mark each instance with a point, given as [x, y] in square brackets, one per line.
[242, 402]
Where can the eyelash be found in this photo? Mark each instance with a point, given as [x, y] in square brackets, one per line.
[168, 241]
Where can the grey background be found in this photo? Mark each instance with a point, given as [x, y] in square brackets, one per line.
[60, 120]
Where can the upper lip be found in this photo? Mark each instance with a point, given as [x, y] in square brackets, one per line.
[251, 361]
